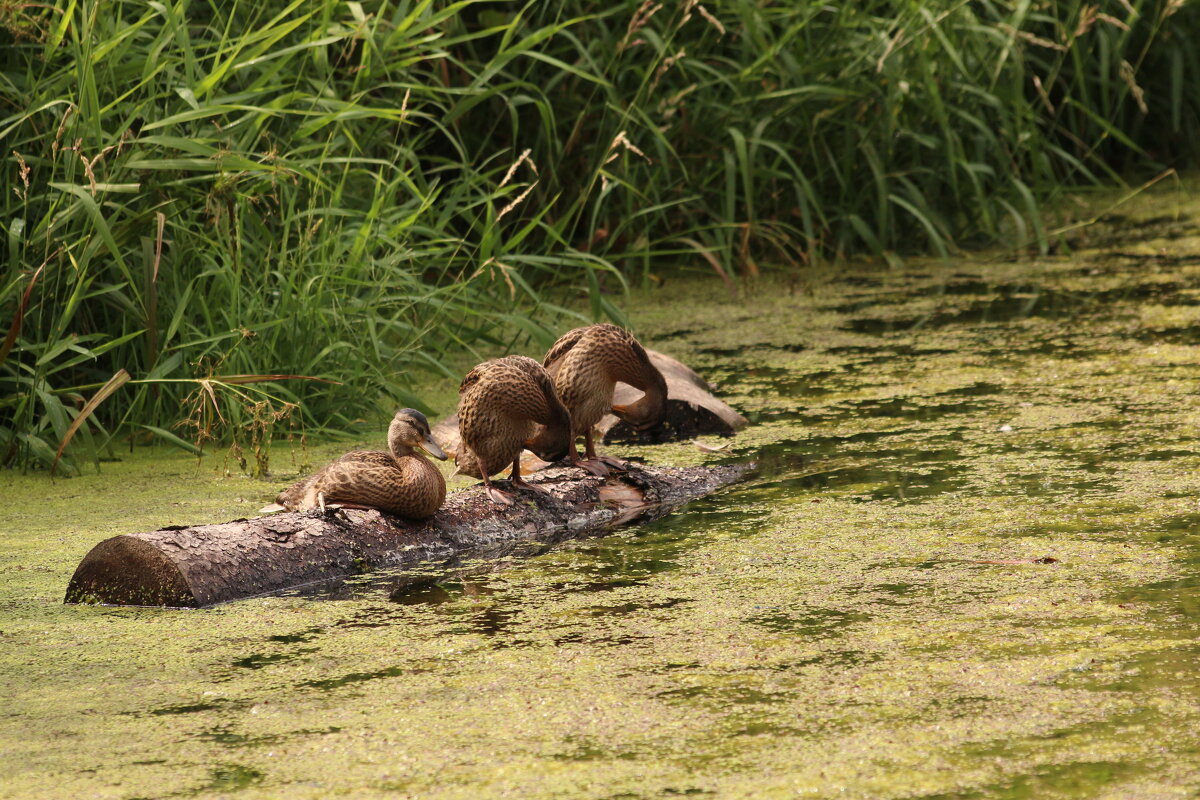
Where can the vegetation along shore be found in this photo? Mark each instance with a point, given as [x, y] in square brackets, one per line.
[236, 220]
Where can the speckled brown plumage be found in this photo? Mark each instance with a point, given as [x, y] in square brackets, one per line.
[401, 482]
[586, 365]
[505, 405]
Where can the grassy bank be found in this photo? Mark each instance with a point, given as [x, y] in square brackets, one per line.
[209, 205]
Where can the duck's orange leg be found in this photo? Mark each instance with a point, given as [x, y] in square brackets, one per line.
[520, 483]
[591, 464]
[497, 496]
[607, 462]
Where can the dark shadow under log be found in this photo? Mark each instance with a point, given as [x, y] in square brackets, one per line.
[208, 564]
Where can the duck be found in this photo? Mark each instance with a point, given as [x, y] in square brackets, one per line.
[585, 365]
[401, 482]
[505, 405]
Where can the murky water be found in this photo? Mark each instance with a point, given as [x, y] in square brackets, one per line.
[967, 568]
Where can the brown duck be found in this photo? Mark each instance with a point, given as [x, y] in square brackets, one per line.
[401, 482]
[506, 405]
[586, 365]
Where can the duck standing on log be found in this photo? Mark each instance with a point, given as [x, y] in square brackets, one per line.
[501, 405]
[586, 365]
[401, 482]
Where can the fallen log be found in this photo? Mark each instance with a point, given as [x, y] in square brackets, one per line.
[692, 409]
[207, 564]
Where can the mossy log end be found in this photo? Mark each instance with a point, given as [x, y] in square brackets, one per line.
[208, 564]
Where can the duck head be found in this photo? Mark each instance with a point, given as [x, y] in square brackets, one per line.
[648, 410]
[551, 442]
[410, 429]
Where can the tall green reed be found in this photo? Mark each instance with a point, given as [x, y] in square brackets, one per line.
[226, 200]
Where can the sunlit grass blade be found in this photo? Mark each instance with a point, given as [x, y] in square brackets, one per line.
[102, 394]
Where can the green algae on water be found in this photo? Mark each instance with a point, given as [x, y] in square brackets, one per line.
[965, 568]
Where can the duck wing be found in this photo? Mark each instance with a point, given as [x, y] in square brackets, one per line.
[540, 399]
[563, 345]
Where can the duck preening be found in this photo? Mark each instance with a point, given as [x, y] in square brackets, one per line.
[506, 405]
[401, 482]
[586, 365]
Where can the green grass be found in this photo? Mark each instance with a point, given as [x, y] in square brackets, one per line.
[213, 195]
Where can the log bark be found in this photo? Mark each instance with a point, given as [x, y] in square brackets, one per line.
[692, 409]
[208, 564]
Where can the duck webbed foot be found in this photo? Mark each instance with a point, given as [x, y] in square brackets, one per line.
[517, 482]
[355, 506]
[497, 496]
[598, 465]
[592, 465]
[616, 463]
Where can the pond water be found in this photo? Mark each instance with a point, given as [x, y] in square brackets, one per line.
[966, 568]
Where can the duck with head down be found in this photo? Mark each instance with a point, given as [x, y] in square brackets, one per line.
[506, 405]
[586, 365]
[401, 482]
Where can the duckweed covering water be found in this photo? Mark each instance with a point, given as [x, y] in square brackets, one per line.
[966, 569]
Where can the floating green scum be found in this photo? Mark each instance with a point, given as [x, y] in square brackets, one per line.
[967, 569]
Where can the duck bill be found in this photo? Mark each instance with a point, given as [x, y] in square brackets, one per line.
[430, 446]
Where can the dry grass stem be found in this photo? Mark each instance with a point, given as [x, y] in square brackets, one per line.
[716, 23]
[524, 159]
[639, 20]
[663, 68]
[492, 266]
[161, 219]
[1130, 78]
[1111, 20]
[1029, 37]
[23, 173]
[1041, 90]
[1087, 18]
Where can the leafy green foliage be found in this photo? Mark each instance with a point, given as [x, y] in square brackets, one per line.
[213, 195]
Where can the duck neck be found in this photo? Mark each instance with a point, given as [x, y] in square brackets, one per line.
[397, 447]
[403, 451]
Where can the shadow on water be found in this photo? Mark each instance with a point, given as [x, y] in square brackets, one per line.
[814, 623]
[969, 400]
[1008, 302]
[223, 735]
[306, 635]
[782, 382]
[191, 708]
[905, 407]
[923, 456]
[604, 562]
[260, 660]
[361, 677]
[231, 778]
[724, 695]
[901, 473]
[1078, 779]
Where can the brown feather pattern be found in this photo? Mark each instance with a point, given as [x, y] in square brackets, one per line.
[586, 365]
[401, 482]
[503, 405]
